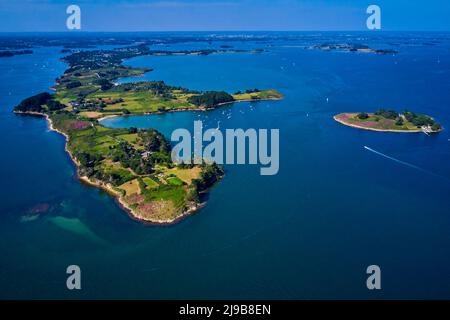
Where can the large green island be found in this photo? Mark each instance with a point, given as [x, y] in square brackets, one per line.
[390, 121]
[133, 165]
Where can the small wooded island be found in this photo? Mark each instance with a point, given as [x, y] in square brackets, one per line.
[390, 121]
[133, 165]
[12, 53]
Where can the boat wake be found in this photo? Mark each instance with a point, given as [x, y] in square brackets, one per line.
[406, 163]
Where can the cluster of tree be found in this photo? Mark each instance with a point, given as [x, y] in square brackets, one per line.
[211, 98]
[417, 119]
[88, 162]
[131, 158]
[156, 147]
[128, 157]
[54, 105]
[109, 73]
[104, 83]
[183, 165]
[209, 175]
[96, 104]
[73, 84]
[4, 54]
[248, 91]
[112, 177]
[36, 103]
[436, 127]
[420, 120]
[399, 121]
[388, 114]
[385, 51]
[158, 87]
[90, 105]
[363, 115]
[153, 141]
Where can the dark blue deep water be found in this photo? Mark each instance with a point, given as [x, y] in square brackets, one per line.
[308, 232]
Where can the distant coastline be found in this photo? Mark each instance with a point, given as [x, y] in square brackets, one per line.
[349, 47]
[12, 53]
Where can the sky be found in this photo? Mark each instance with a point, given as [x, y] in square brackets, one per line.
[223, 15]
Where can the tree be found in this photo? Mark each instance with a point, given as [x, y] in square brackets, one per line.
[73, 84]
[104, 84]
[209, 175]
[363, 116]
[388, 114]
[34, 103]
[53, 105]
[210, 98]
[436, 127]
[399, 122]
[193, 195]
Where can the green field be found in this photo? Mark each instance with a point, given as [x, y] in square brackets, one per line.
[138, 102]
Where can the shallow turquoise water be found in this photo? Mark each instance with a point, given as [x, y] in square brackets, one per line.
[308, 232]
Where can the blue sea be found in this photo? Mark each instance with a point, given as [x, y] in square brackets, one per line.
[308, 232]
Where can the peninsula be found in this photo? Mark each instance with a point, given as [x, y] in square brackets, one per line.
[390, 121]
[133, 165]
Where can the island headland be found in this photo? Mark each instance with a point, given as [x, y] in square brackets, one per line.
[390, 121]
[133, 165]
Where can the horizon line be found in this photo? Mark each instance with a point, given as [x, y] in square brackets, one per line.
[163, 31]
